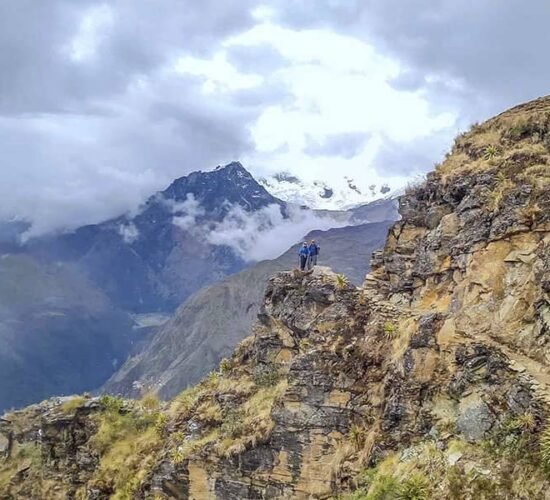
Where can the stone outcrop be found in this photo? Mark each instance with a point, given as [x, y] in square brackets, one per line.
[429, 381]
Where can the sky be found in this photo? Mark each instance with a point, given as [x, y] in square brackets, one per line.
[104, 103]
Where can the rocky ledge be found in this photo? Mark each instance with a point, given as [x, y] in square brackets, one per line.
[429, 381]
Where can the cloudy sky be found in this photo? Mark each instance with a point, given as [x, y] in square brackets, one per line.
[102, 103]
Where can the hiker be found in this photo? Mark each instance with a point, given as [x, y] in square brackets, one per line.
[304, 254]
[314, 250]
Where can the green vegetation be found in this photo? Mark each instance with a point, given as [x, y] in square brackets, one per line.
[342, 281]
[490, 152]
[225, 365]
[415, 487]
[390, 330]
[150, 402]
[266, 375]
[127, 441]
[23, 455]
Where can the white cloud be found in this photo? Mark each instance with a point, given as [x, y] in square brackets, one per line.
[186, 212]
[338, 86]
[103, 103]
[129, 233]
[94, 26]
[265, 234]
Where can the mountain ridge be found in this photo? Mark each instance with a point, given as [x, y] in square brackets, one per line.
[430, 381]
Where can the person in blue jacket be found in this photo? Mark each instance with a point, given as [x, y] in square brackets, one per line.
[303, 254]
[314, 250]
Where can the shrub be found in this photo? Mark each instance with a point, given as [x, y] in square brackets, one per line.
[73, 404]
[161, 425]
[385, 487]
[111, 403]
[232, 426]
[186, 400]
[545, 446]
[225, 365]
[490, 152]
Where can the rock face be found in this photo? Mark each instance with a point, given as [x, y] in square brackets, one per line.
[429, 381]
[208, 326]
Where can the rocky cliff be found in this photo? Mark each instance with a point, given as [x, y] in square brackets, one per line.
[429, 381]
[208, 326]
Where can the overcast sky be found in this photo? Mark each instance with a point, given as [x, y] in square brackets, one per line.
[103, 103]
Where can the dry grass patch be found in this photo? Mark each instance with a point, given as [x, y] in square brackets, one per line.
[252, 423]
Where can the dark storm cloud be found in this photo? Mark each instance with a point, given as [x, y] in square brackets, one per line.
[345, 145]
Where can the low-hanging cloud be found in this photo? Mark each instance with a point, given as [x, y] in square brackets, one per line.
[186, 212]
[129, 232]
[265, 234]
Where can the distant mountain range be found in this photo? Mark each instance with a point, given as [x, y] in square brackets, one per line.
[342, 194]
[86, 300]
[154, 260]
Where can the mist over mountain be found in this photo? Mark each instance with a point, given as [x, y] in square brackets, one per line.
[209, 325]
[79, 300]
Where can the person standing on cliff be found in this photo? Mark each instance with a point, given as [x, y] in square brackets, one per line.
[303, 254]
[314, 250]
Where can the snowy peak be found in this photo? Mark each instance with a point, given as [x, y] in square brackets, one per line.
[317, 194]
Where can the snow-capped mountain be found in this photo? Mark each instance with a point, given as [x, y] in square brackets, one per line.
[338, 195]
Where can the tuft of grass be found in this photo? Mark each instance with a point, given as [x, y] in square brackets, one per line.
[225, 366]
[128, 441]
[185, 401]
[150, 402]
[342, 281]
[358, 436]
[252, 423]
[209, 412]
[415, 487]
[490, 152]
[386, 487]
[112, 404]
[390, 330]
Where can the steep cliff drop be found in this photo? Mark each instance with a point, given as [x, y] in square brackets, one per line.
[430, 381]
